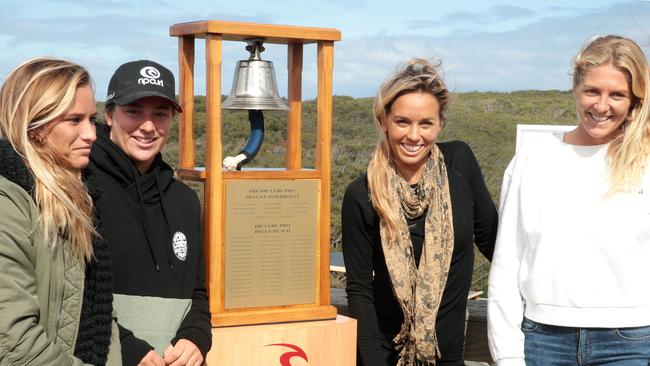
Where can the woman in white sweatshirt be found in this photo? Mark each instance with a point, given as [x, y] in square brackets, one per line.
[568, 284]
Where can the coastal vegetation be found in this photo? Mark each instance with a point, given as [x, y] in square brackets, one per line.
[487, 121]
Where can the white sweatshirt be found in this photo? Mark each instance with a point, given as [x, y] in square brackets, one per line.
[566, 255]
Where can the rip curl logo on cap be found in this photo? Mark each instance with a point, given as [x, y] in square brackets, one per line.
[179, 244]
[150, 75]
[150, 72]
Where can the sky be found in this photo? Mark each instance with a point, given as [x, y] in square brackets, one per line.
[483, 45]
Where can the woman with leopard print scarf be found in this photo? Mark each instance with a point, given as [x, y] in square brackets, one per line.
[408, 227]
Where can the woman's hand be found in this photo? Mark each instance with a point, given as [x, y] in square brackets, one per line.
[152, 359]
[184, 353]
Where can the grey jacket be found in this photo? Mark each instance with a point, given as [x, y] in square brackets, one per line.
[41, 290]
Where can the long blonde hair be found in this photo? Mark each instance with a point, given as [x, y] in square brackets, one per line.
[628, 152]
[418, 75]
[35, 95]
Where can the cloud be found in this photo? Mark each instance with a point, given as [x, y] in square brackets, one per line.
[474, 21]
[101, 35]
[531, 56]
[507, 12]
[500, 48]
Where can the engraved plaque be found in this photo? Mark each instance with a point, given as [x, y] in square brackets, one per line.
[271, 242]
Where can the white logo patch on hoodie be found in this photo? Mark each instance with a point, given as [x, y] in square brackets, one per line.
[179, 243]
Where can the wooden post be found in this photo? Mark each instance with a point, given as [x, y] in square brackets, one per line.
[186, 101]
[324, 154]
[294, 147]
[213, 223]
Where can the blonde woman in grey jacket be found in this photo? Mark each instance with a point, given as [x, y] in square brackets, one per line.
[55, 287]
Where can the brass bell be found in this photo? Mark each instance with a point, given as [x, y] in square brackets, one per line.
[254, 85]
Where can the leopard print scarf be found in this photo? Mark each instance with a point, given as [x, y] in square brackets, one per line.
[419, 289]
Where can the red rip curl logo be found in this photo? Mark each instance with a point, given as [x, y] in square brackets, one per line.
[285, 359]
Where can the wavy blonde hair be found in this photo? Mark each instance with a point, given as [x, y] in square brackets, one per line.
[417, 75]
[628, 152]
[32, 99]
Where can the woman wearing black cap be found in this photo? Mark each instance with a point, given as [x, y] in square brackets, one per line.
[152, 222]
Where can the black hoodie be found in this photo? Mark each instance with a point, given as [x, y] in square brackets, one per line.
[152, 222]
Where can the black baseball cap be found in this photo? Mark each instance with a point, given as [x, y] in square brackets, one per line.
[138, 79]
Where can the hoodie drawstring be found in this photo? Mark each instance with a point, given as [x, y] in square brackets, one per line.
[167, 226]
[143, 217]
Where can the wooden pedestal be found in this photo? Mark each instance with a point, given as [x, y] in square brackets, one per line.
[321, 343]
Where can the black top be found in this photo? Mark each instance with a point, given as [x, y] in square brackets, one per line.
[371, 300]
[142, 215]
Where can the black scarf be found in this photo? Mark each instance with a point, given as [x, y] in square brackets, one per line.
[94, 335]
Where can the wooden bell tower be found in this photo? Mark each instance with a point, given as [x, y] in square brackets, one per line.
[226, 247]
